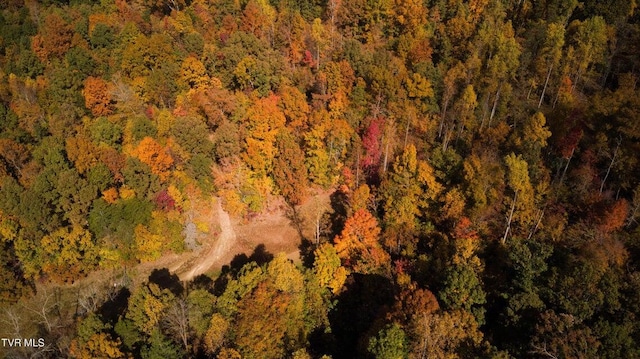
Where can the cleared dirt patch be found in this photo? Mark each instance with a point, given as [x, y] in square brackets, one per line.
[278, 230]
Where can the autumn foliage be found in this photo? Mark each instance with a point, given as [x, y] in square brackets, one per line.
[97, 96]
[358, 244]
[153, 154]
[449, 179]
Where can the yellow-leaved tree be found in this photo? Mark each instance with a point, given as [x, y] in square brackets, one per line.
[264, 120]
[406, 192]
[68, 253]
[327, 268]
[522, 205]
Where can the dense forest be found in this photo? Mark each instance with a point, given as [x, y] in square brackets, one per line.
[482, 160]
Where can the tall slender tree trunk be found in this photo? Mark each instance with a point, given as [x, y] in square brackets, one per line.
[577, 78]
[447, 135]
[495, 104]
[535, 228]
[544, 89]
[510, 218]
[386, 157]
[613, 160]
[555, 100]
[443, 117]
[564, 172]
[406, 133]
[632, 216]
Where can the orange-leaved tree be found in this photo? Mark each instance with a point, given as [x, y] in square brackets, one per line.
[157, 157]
[97, 96]
[357, 245]
[289, 170]
[54, 38]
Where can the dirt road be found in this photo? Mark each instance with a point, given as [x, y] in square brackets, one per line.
[212, 254]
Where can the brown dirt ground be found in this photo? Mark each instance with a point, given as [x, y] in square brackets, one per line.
[274, 229]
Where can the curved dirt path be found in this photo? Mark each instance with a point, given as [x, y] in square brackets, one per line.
[226, 240]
